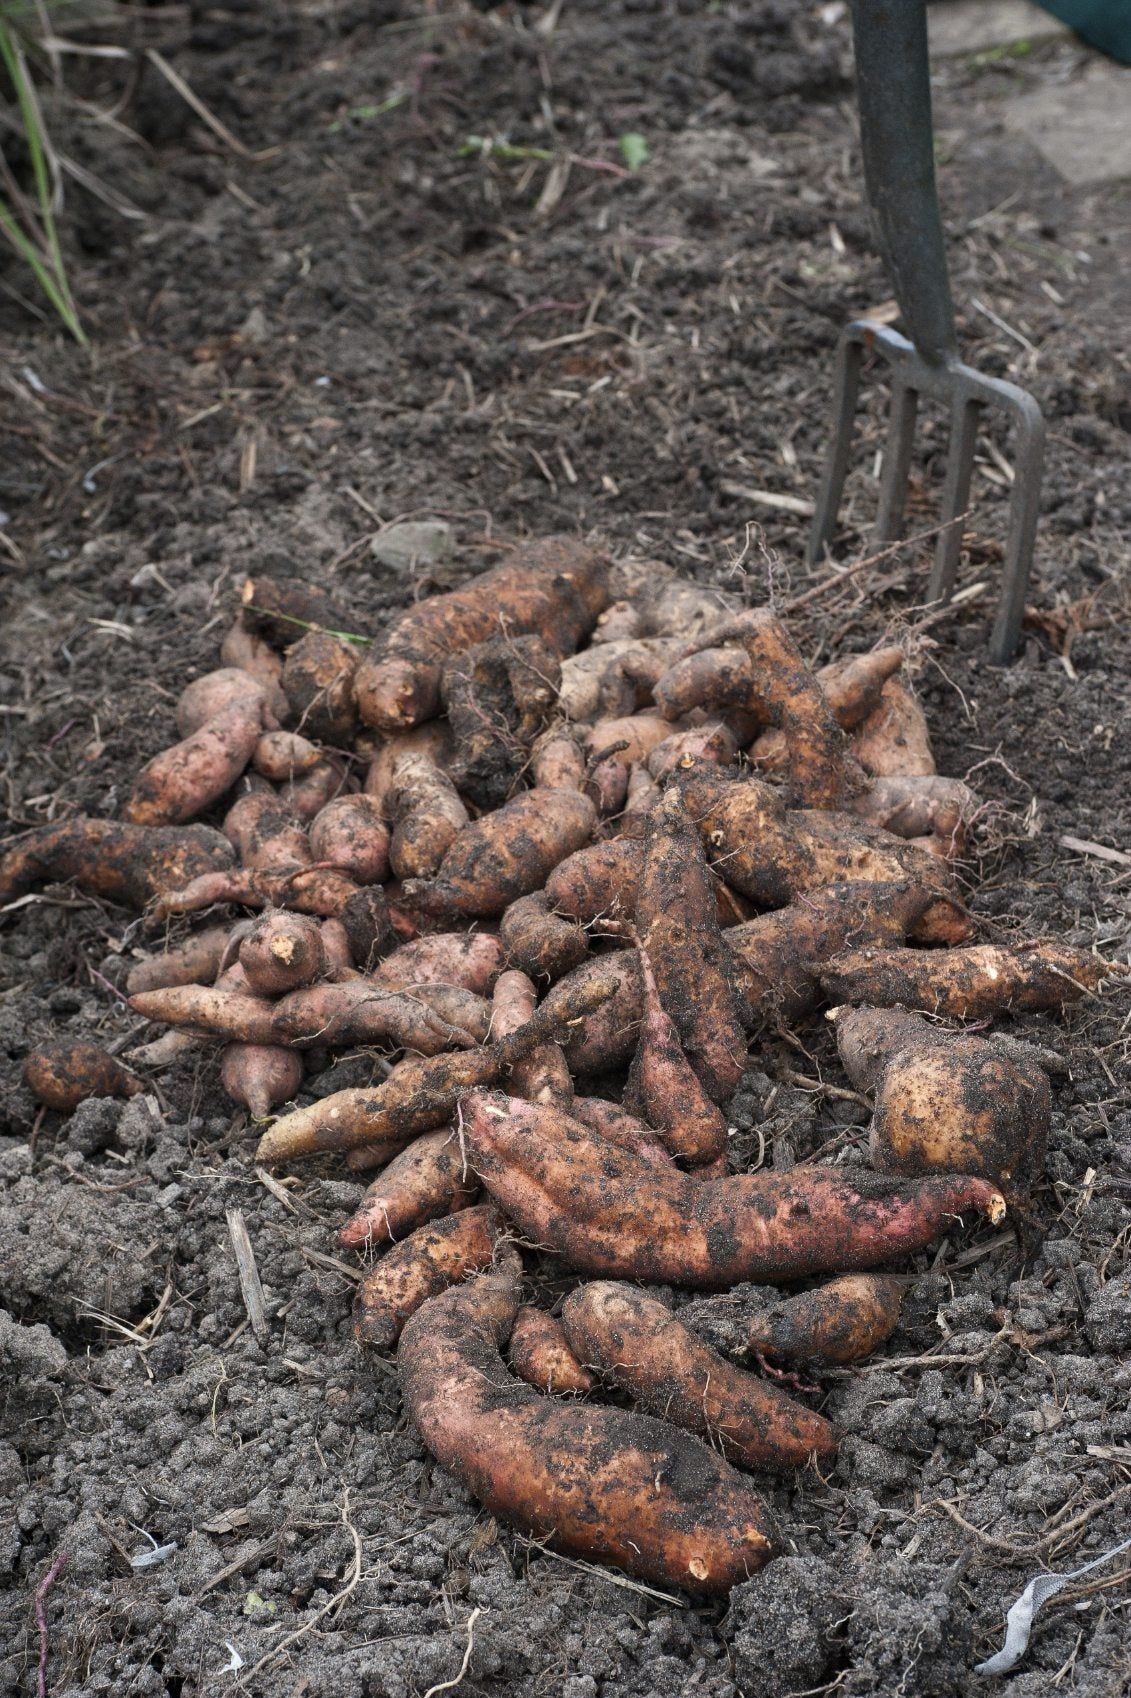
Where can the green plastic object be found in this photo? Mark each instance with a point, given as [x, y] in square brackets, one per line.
[1105, 24]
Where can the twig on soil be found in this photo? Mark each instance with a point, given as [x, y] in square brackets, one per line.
[251, 1289]
[1024, 1553]
[41, 1592]
[332, 1603]
[447, 1685]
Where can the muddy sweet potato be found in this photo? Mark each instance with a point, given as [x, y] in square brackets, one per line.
[678, 926]
[62, 1074]
[608, 1212]
[350, 834]
[361, 1012]
[506, 854]
[947, 1102]
[260, 1077]
[966, 984]
[582, 693]
[421, 1094]
[430, 1259]
[893, 742]
[613, 746]
[317, 681]
[472, 960]
[196, 961]
[281, 610]
[920, 807]
[498, 696]
[183, 781]
[542, 1076]
[540, 1355]
[711, 678]
[131, 864]
[537, 941]
[852, 688]
[640, 798]
[247, 652]
[710, 742]
[277, 867]
[427, 1181]
[556, 760]
[663, 1087]
[433, 740]
[282, 951]
[308, 793]
[201, 700]
[553, 589]
[603, 1484]
[776, 958]
[598, 882]
[284, 755]
[626, 1131]
[649, 1353]
[427, 814]
[223, 1013]
[605, 1038]
[841, 1322]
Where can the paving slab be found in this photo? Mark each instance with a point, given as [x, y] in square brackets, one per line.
[958, 27]
[1083, 127]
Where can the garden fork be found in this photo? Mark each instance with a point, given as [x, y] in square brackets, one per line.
[894, 93]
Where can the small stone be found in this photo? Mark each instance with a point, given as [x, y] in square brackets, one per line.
[413, 544]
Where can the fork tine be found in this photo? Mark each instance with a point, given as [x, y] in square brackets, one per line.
[846, 386]
[897, 461]
[956, 496]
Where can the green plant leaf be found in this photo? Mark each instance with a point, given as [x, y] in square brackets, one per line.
[633, 149]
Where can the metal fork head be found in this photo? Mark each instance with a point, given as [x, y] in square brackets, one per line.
[966, 393]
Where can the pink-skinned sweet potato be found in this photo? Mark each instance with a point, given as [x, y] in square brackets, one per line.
[64, 1073]
[538, 941]
[431, 1258]
[664, 1089]
[196, 961]
[261, 1077]
[843, 1321]
[506, 854]
[540, 1355]
[427, 1181]
[967, 984]
[183, 781]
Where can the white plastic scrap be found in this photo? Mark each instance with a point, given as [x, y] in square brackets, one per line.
[150, 1558]
[1019, 1618]
[236, 1662]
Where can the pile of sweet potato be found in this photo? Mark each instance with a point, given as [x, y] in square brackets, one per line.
[557, 849]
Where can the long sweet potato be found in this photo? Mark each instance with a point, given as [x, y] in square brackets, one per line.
[506, 854]
[649, 1353]
[201, 700]
[422, 1094]
[131, 864]
[852, 688]
[678, 926]
[470, 959]
[538, 942]
[625, 1130]
[196, 961]
[183, 781]
[553, 589]
[608, 1212]
[426, 1181]
[260, 1076]
[540, 1355]
[232, 1014]
[427, 814]
[318, 676]
[64, 1073]
[893, 742]
[966, 984]
[430, 1259]
[542, 1076]
[664, 1089]
[360, 1012]
[841, 1322]
[711, 678]
[350, 834]
[602, 1483]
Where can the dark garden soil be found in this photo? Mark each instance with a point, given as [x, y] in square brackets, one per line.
[360, 314]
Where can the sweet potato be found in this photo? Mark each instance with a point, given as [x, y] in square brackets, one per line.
[277, 869]
[281, 952]
[196, 961]
[540, 1355]
[427, 813]
[261, 1077]
[663, 1088]
[283, 609]
[947, 1102]
[625, 1130]
[336, 945]
[966, 984]
[553, 589]
[920, 807]
[62, 1074]
[602, 1483]
[609, 1212]
[621, 622]
[627, 683]
[430, 1259]
[615, 745]
[773, 855]
[185, 780]
[541, 1076]
[776, 958]
[598, 882]
[841, 1322]
[649, 1353]
[711, 742]
[606, 1037]
[582, 693]
[556, 760]
[669, 604]
[433, 740]
[235, 1015]
[711, 678]
[640, 797]
[131, 864]
[215, 692]
[507, 854]
[360, 1012]
[307, 794]
[498, 696]
[350, 835]
[851, 687]
[678, 926]
[470, 959]
[247, 652]
[426, 1181]
[317, 681]
[893, 742]
[538, 942]
[421, 1095]
[283, 755]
